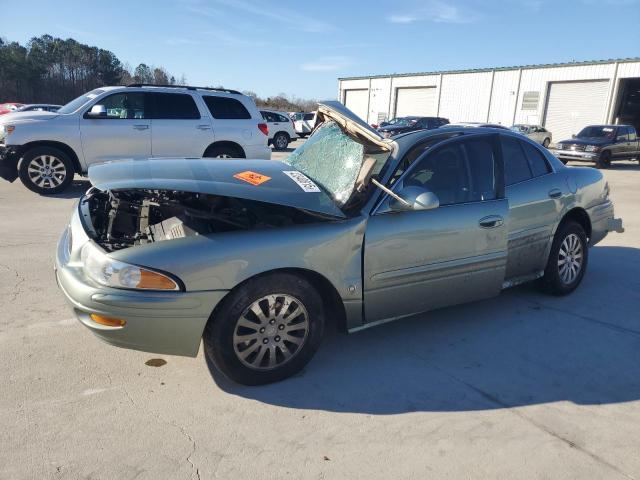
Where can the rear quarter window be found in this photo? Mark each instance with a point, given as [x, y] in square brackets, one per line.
[225, 108]
[516, 165]
[537, 162]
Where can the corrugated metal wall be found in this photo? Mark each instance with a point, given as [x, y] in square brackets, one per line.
[494, 96]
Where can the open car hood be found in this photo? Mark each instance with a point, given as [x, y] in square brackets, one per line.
[353, 126]
[268, 181]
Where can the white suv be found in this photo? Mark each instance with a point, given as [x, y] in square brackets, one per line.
[137, 121]
[281, 131]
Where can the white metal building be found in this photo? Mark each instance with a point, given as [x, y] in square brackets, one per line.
[562, 97]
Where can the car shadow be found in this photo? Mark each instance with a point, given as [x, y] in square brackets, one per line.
[521, 348]
[77, 188]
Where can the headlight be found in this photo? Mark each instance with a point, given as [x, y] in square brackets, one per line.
[112, 273]
[592, 148]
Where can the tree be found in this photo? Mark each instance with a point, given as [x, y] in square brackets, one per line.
[143, 74]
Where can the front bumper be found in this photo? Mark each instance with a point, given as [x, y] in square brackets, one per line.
[159, 322]
[9, 156]
[575, 156]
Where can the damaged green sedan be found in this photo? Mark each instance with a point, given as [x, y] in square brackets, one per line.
[254, 256]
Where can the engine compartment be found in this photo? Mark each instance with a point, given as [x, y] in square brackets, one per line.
[125, 218]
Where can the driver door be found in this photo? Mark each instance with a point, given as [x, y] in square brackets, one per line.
[419, 260]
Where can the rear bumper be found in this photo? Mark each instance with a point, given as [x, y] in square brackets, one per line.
[603, 222]
[159, 322]
[9, 156]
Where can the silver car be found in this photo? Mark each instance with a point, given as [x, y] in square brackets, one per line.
[254, 256]
[535, 132]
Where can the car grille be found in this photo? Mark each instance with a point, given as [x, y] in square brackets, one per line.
[574, 147]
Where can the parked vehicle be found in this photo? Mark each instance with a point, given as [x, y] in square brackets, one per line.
[138, 121]
[600, 144]
[281, 131]
[253, 256]
[9, 107]
[410, 124]
[39, 107]
[304, 123]
[535, 132]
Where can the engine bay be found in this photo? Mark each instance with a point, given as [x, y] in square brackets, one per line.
[125, 218]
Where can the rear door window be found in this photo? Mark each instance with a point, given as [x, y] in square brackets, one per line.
[224, 108]
[516, 165]
[174, 106]
[537, 162]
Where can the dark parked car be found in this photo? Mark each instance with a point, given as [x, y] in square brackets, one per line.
[600, 144]
[410, 124]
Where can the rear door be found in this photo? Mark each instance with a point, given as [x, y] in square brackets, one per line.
[125, 131]
[535, 196]
[416, 261]
[232, 121]
[178, 128]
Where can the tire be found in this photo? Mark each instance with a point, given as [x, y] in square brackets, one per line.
[224, 151]
[546, 142]
[46, 170]
[604, 160]
[236, 318]
[280, 141]
[570, 237]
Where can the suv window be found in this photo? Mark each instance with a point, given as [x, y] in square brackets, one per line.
[459, 172]
[632, 133]
[269, 116]
[282, 118]
[225, 108]
[537, 162]
[516, 165]
[126, 105]
[174, 106]
[308, 116]
[622, 135]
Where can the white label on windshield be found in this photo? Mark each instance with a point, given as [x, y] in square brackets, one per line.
[607, 129]
[304, 182]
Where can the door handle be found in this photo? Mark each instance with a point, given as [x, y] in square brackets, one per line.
[203, 127]
[141, 127]
[555, 193]
[491, 221]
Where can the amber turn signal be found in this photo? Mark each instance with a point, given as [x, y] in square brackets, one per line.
[155, 281]
[108, 321]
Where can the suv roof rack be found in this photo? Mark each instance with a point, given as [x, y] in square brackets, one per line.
[188, 87]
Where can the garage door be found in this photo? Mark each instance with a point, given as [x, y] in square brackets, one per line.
[358, 102]
[421, 101]
[574, 105]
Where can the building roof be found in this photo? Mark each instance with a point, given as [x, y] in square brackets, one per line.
[497, 69]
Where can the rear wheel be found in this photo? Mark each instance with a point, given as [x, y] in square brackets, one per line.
[266, 330]
[280, 141]
[46, 170]
[224, 151]
[604, 160]
[567, 260]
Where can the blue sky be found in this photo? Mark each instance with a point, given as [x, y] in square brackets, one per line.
[302, 47]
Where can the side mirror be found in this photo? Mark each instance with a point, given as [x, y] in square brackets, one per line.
[414, 198]
[573, 136]
[97, 111]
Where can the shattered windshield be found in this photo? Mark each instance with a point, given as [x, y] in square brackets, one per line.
[331, 158]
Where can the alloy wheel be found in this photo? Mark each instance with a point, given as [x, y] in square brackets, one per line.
[47, 171]
[271, 331]
[570, 259]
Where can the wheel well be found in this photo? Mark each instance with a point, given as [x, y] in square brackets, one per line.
[281, 131]
[580, 216]
[334, 308]
[227, 144]
[60, 146]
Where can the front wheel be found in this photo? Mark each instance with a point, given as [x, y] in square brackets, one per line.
[604, 161]
[46, 170]
[266, 330]
[567, 260]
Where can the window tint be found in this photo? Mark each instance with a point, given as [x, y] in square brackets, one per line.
[269, 116]
[174, 106]
[537, 162]
[632, 134]
[226, 108]
[516, 166]
[459, 172]
[282, 118]
[622, 135]
[125, 105]
[309, 116]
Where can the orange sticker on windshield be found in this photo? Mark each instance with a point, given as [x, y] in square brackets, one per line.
[252, 177]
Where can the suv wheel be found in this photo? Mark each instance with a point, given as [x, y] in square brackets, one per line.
[223, 151]
[567, 260]
[46, 170]
[266, 330]
[280, 141]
